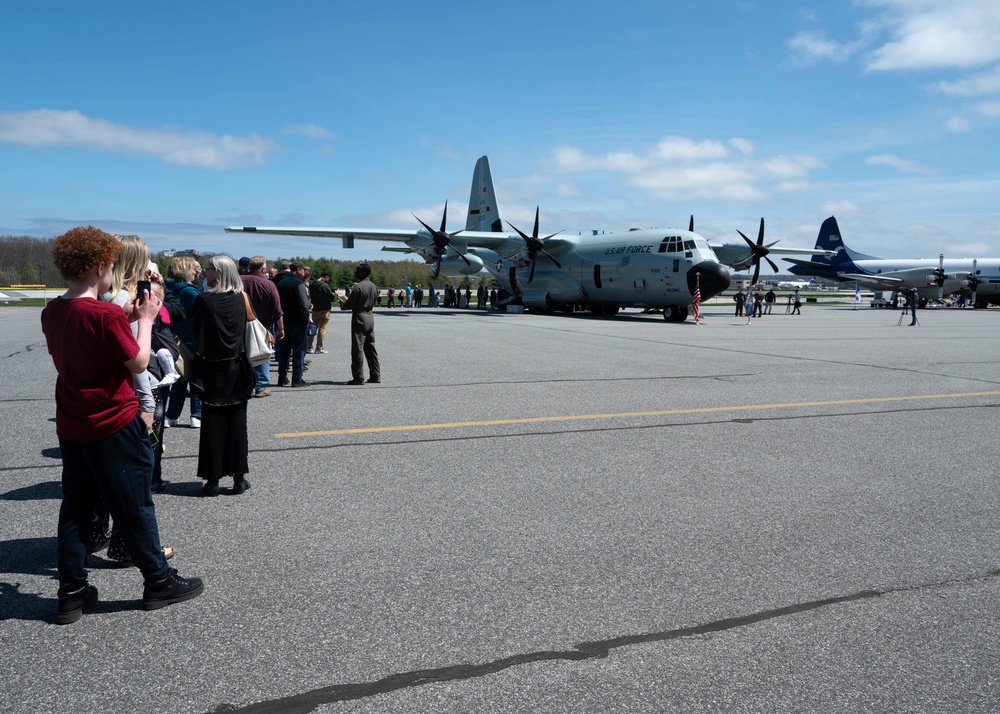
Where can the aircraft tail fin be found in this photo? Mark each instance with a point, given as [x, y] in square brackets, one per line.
[484, 214]
[829, 238]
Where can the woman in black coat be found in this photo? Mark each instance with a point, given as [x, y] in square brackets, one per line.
[222, 377]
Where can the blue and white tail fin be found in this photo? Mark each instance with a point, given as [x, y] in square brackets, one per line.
[829, 238]
[484, 215]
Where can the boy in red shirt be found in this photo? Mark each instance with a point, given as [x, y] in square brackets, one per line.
[104, 441]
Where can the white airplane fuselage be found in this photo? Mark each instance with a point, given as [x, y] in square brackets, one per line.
[651, 268]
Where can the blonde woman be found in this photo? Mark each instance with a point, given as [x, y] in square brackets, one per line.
[223, 377]
[131, 266]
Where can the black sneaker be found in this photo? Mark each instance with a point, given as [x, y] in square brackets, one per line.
[171, 589]
[73, 603]
[240, 486]
[300, 383]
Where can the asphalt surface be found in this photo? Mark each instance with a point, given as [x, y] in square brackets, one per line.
[574, 515]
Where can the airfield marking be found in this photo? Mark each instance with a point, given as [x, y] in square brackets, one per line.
[665, 412]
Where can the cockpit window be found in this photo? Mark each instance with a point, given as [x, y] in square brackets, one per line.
[689, 245]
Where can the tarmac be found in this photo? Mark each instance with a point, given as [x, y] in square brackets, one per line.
[551, 513]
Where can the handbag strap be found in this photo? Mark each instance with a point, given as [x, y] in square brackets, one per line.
[250, 316]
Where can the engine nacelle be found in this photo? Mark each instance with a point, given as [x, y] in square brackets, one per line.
[454, 265]
[538, 299]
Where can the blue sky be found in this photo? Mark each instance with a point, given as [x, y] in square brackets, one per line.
[172, 121]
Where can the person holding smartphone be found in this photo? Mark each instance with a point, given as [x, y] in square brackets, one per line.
[102, 438]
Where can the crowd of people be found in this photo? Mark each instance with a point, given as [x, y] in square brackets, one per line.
[130, 349]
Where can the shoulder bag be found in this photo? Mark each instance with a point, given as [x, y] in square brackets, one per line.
[256, 338]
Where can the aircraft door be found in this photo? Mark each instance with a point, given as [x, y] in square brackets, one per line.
[597, 275]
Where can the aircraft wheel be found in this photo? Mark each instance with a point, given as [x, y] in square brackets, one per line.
[610, 310]
[670, 313]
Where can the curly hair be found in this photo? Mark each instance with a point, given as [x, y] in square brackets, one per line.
[80, 250]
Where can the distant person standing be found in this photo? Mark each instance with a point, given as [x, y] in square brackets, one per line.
[266, 305]
[740, 298]
[797, 303]
[322, 297]
[295, 307]
[360, 303]
[769, 299]
[911, 298]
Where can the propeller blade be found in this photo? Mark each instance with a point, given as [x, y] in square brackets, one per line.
[531, 271]
[534, 233]
[760, 234]
[756, 272]
[444, 217]
[437, 269]
[771, 263]
[558, 264]
[691, 224]
[461, 255]
[749, 242]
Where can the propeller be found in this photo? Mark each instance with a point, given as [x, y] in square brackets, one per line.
[759, 251]
[939, 277]
[973, 281]
[535, 245]
[442, 241]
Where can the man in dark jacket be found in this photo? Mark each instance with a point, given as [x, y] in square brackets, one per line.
[266, 305]
[295, 307]
[360, 302]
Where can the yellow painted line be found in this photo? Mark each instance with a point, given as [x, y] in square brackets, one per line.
[623, 415]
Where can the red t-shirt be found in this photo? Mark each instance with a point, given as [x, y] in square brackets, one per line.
[90, 341]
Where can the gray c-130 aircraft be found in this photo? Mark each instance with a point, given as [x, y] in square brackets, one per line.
[654, 268]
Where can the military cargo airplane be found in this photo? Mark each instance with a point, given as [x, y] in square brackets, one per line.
[932, 278]
[657, 268]
[654, 268]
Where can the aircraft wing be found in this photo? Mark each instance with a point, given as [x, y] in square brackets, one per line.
[738, 255]
[879, 280]
[478, 239]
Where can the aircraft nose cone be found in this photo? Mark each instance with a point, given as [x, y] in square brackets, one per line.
[713, 278]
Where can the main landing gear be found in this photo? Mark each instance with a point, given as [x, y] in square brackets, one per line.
[675, 313]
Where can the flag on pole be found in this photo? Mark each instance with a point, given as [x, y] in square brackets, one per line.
[697, 297]
[857, 291]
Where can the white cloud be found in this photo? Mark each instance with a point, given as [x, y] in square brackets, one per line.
[929, 34]
[310, 131]
[958, 125]
[812, 46]
[43, 128]
[678, 168]
[835, 207]
[904, 165]
[989, 109]
[973, 86]
[742, 145]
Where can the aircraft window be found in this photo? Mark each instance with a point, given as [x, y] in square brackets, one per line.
[689, 245]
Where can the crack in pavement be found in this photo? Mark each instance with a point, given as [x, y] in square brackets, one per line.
[598, 649]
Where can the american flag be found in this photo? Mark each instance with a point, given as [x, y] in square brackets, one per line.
[697, 300]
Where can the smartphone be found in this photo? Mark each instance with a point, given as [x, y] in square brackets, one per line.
[141, 289]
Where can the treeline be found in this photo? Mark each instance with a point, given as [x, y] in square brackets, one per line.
[27, 260]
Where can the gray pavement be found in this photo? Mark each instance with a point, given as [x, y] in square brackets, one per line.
[574, 515]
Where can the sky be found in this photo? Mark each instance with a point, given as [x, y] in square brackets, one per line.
[173, 121]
